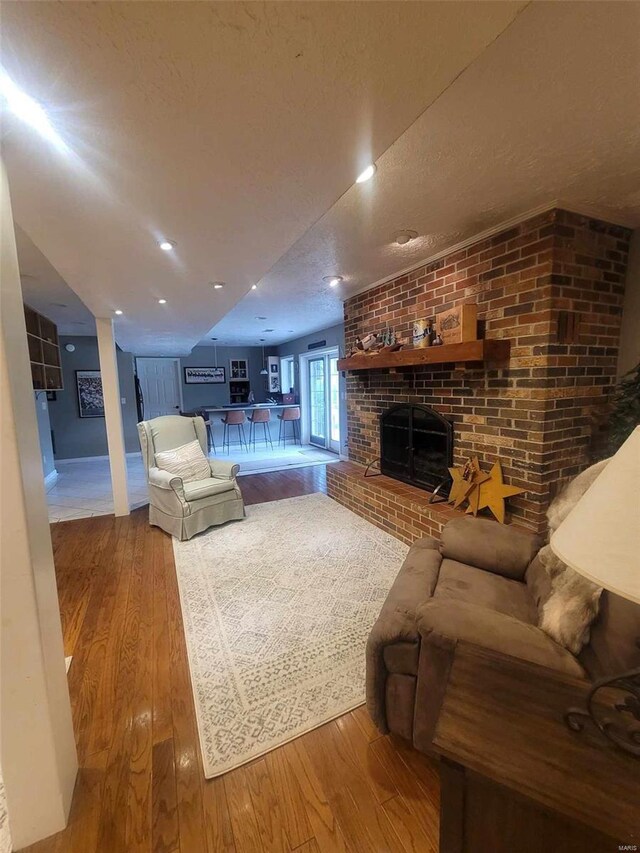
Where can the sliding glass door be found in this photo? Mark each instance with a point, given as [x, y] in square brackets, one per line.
[324, 401]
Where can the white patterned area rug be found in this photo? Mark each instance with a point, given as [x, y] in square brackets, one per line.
[277, 609]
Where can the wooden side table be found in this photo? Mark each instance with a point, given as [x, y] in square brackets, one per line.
[514, 778]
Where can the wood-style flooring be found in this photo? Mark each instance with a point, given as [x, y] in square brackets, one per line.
[342, 787]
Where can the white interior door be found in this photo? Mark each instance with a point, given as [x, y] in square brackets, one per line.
[160, 385]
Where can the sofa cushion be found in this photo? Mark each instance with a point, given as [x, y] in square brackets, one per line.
[459, 582]
[439, 621]
[497, 548]
[204, 488]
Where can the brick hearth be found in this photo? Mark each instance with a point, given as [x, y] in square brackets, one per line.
[554, 286]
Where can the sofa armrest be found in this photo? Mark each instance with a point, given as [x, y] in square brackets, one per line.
[223, 470]
[487, 545]
[414, 585]
[165, 480]
[447, 622]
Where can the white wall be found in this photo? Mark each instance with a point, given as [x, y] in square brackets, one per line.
[37, 745]
[630, 333]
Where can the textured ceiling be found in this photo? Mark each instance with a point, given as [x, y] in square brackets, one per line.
[549, 113]
[230, 128]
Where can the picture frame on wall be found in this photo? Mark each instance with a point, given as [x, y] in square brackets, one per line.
[204, 376]
[90, 396]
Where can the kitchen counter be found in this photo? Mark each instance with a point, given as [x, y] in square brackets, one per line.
[248, 407]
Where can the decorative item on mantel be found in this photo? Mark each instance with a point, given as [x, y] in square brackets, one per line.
[481, 490]
[458, 324]
[423, 334]
[373, 344]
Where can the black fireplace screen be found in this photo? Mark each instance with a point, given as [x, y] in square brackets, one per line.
[416, 446]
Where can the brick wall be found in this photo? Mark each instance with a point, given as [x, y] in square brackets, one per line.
[554, 286]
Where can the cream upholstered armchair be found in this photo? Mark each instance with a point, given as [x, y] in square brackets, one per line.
[182, 508]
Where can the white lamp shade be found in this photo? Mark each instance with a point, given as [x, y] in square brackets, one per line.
[600, 538]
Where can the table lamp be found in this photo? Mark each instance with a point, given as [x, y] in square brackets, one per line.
[600, 539]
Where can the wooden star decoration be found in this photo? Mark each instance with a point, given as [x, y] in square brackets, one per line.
[465, 480]
[492, 493]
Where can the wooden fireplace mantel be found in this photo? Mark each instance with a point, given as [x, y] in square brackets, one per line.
[478, 351]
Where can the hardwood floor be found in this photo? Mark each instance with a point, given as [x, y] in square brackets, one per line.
[342, 787]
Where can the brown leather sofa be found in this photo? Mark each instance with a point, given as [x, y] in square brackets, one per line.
[480, 584]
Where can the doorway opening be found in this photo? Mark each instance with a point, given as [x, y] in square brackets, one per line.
[320, 398]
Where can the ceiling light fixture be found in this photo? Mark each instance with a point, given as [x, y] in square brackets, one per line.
[404, 237]
[332, 280]
[261, 318]
[118, 312]
[162, 301]
[27, 109]
[218, 285]
[367, 174]
[254, 287]
[264, 371]
[166, 245]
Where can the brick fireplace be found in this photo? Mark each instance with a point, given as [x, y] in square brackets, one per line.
[553, 285]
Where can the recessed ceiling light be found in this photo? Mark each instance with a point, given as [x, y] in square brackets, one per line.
[333, 280]
[162, 301]
[254, 287]
[118, 312]
[214, 339]
[166, 245]
[218, 285]
[261, 318]
[262, 340]
[268, 330]
[367, 174]
[404, 237]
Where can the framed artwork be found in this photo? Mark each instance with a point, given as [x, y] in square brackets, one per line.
[90, 399]
[204, 376]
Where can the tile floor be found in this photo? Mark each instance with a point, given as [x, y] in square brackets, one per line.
[83, 488]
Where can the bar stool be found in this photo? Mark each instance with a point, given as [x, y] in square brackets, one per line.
[234, 419]
[292, 416]
[260, 416]
[211, 445]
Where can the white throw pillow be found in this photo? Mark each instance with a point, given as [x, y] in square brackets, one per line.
[187, 461]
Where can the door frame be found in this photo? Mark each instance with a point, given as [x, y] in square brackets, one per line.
[178, 367]
[303, 373]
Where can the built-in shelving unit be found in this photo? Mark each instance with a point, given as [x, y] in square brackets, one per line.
[239, 391]
[238, 380]
[467, 351]
[44, 351]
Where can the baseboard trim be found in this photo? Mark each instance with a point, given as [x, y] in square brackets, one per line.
[50, 479]
[96, 458]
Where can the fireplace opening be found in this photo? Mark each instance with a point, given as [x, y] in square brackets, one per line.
[416, 446]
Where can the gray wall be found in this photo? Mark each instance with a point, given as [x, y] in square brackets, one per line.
[195, 396]
[44, 432]
[334, 337]
[74, 436]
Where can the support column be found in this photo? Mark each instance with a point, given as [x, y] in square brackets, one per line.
[113, 414]
[37, 747]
